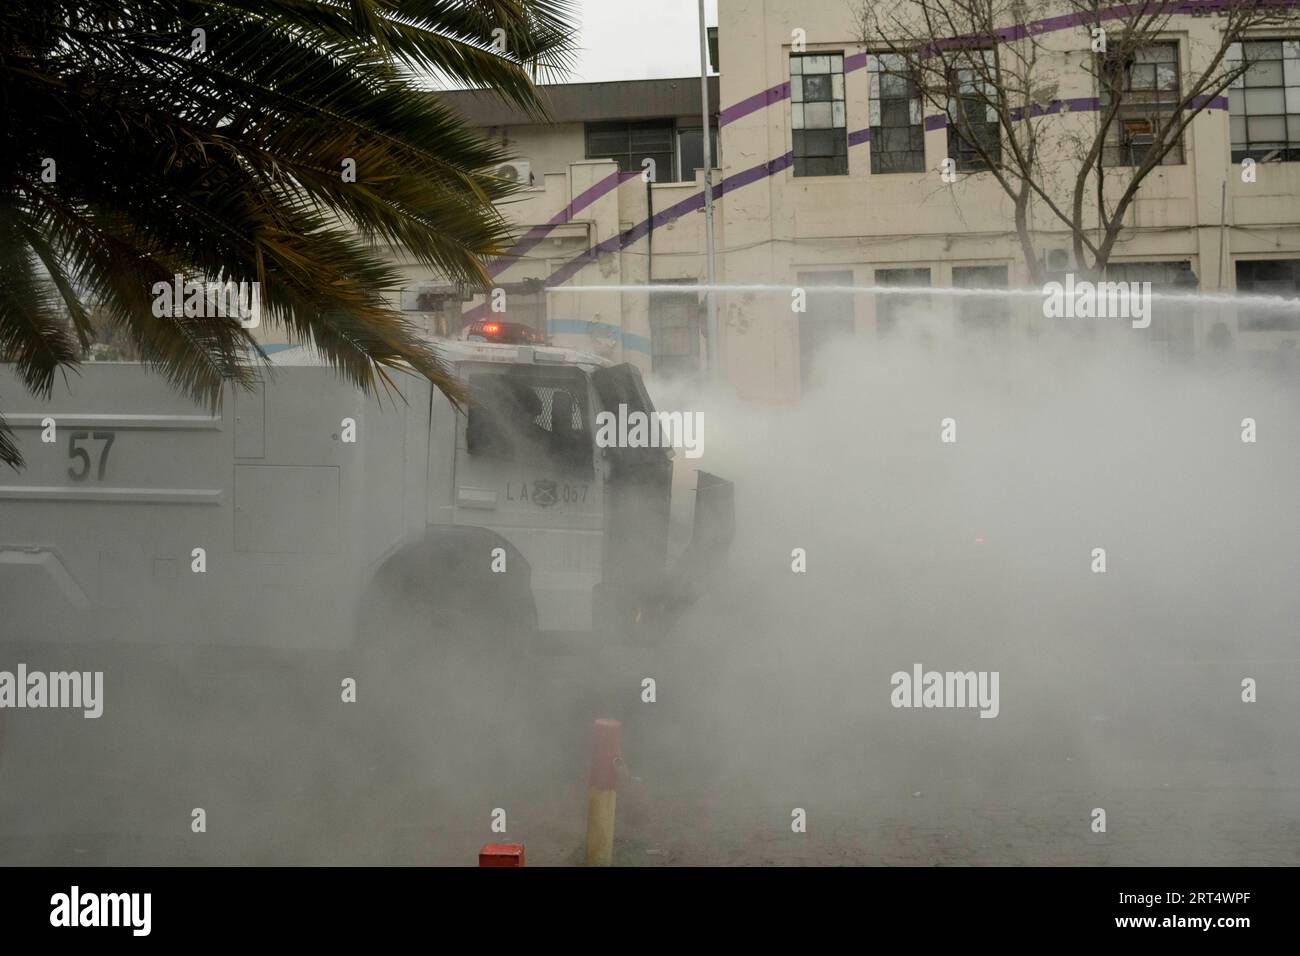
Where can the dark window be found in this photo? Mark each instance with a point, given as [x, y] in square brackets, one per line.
[891, 307]
[691, 146]
[894, 111]
[1147, 86]
[528, 415]
[981, 311]
[1171, 323]
[675, 333]
[973, 129]
[829, 318]
[628, 143]
[1264, 103]
[817, 116]
[1280, 277]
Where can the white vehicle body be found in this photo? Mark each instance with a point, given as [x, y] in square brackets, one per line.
[142, 518]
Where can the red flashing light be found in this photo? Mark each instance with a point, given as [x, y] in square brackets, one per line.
[492, 328]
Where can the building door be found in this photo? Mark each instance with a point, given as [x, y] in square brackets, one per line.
[893, 308]
[1171, 332]
[830, 318]
[675, 333]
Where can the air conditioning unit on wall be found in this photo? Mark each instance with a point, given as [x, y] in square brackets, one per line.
[518, 171]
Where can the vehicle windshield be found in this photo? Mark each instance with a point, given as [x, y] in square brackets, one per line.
[622, 385]
[528, 414]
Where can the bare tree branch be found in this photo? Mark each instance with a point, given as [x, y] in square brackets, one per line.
[976, 61]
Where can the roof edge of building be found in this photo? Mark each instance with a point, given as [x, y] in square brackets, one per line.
[584, 102]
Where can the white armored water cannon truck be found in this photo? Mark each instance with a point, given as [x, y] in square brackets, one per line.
[307, 516]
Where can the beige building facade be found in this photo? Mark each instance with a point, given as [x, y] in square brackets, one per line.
[801, 105]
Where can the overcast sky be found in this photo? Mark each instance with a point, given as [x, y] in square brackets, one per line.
[639, 39]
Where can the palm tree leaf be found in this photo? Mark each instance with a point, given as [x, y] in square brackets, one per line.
[226, 161]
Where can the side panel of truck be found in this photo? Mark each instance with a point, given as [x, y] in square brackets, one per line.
[99, 535]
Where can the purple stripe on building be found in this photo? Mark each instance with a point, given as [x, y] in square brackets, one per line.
[752, 104]
[1084, 104]
[776, 94]
[1079, 104]
[689, 204]
[772, 167]
[1208, 102]
[1008, 34]
[754, 173]
[1070, 21]
[781, 92]
[536, 234]
[590, 195]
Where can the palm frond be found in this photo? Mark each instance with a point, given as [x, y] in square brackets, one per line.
[227, 160]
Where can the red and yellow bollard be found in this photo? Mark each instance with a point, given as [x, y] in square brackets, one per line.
[602, 791]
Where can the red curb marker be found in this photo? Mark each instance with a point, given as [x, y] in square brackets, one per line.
[501, 854]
